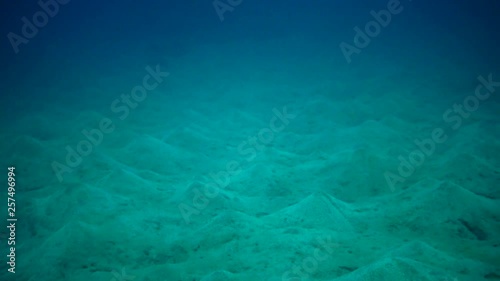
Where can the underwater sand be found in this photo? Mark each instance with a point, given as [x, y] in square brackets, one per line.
[207, 179]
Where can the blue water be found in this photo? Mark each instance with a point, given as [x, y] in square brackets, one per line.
[250, 140]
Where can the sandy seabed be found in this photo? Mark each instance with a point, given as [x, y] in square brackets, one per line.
[271, 171]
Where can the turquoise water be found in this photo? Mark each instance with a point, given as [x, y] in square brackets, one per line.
[250, 140]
